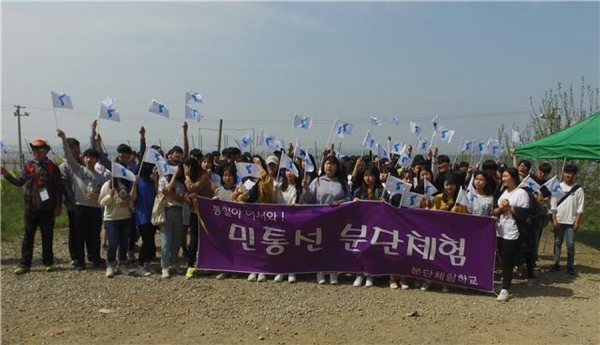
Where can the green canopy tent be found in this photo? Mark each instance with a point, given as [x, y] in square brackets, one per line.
[580, 141]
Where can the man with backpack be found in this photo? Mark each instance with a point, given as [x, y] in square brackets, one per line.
[566, 217]
[43, 199]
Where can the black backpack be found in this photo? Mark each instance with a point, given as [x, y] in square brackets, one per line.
[530, 218]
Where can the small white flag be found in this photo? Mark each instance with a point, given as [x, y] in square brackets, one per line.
[398, 147]
[415, 128]
[530, 183]
[193, 114]
[479, 147]
[158, 108]
[394, 120]
[395, 186]
[462, 198]
[554, 187]
[279, 145]
[267, 140]
[109, 102]
[109, 113]
[375, 121]
[516, 137]
[308, 163]
[342, 128]
[434, 123]
[369, 141]
[3, 147]
[422, 144]
[412, 200]
[162, 167]
[382, 152]
[192, 97]
[152, 156]
[248, 169]
[299, 150]
[429, 188]
[244, 142]
[287, 163]
[120, 171]
[404, 161]
[445, 134]
[303, 122]
[471, 193]
[61, 100]
[493, 147]
[339, 155]
[465, 146]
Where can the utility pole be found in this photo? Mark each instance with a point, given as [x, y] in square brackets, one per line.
[18, 115]
[220, 134]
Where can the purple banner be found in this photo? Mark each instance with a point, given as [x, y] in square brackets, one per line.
[370, 237]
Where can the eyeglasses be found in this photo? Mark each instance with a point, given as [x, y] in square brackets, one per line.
[39, 148]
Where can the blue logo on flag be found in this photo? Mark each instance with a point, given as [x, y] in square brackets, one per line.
[249, 169]
[413, 200]
[303, 123]
[123, 172]
[160, 108]
[110, 113]
[61, 98]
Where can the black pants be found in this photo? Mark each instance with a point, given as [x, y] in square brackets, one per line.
[133, 237]
[72, 250]
[88, 223]
[45, 220]
[148, 248]
[508, 249]
[193, 245]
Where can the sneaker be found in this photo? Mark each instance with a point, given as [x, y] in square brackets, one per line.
[261, 278]
[358, 281]
[222, 276]
[445, 288]
[393, 283]
[73, 263]
[530, 282]
[425, 286]
[503, 296]
[189, 274]
[21, 269]
[292, 278]
[369, 282]
[333, 278]
[141, 271]
[404, 284]
[252, 277]
[123, 270]
[99, 264]
[79, 267]
[165, 273]
[110, 271]
[555, 268]
[321, 278]
[130, 256]
[278, 278]
[49, 268]
[571, 271]
[176, 269]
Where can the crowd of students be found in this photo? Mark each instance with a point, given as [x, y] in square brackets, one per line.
[93, 196]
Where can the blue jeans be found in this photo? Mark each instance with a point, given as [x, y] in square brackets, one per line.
[564, 230]
[170, 235]
[117, 233]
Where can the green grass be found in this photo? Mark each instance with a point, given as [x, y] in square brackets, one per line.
[12, 225]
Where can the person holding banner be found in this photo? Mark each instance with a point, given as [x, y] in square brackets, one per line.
[482, 198]
[328, 189]
[117, 197]
[228, 175]
[447, 202]
[289, 194]
[512, 201]
[370, 189]
[197, 183]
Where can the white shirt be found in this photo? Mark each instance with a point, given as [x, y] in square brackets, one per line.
[507, 226]
[568, 210]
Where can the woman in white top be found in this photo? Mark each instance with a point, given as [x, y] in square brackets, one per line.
[117, 197]
[288, 194]
[483, 198]
[170, 231]
[509, 203]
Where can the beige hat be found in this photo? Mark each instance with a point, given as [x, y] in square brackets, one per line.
[37, 142]
[272, 159]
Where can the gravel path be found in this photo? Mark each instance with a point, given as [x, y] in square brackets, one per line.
[68, 307]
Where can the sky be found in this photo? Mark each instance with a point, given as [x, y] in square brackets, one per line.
[473, 64]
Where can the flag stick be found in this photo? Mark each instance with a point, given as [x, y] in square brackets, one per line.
[177, 138]
[55, 118]
[142, 162]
